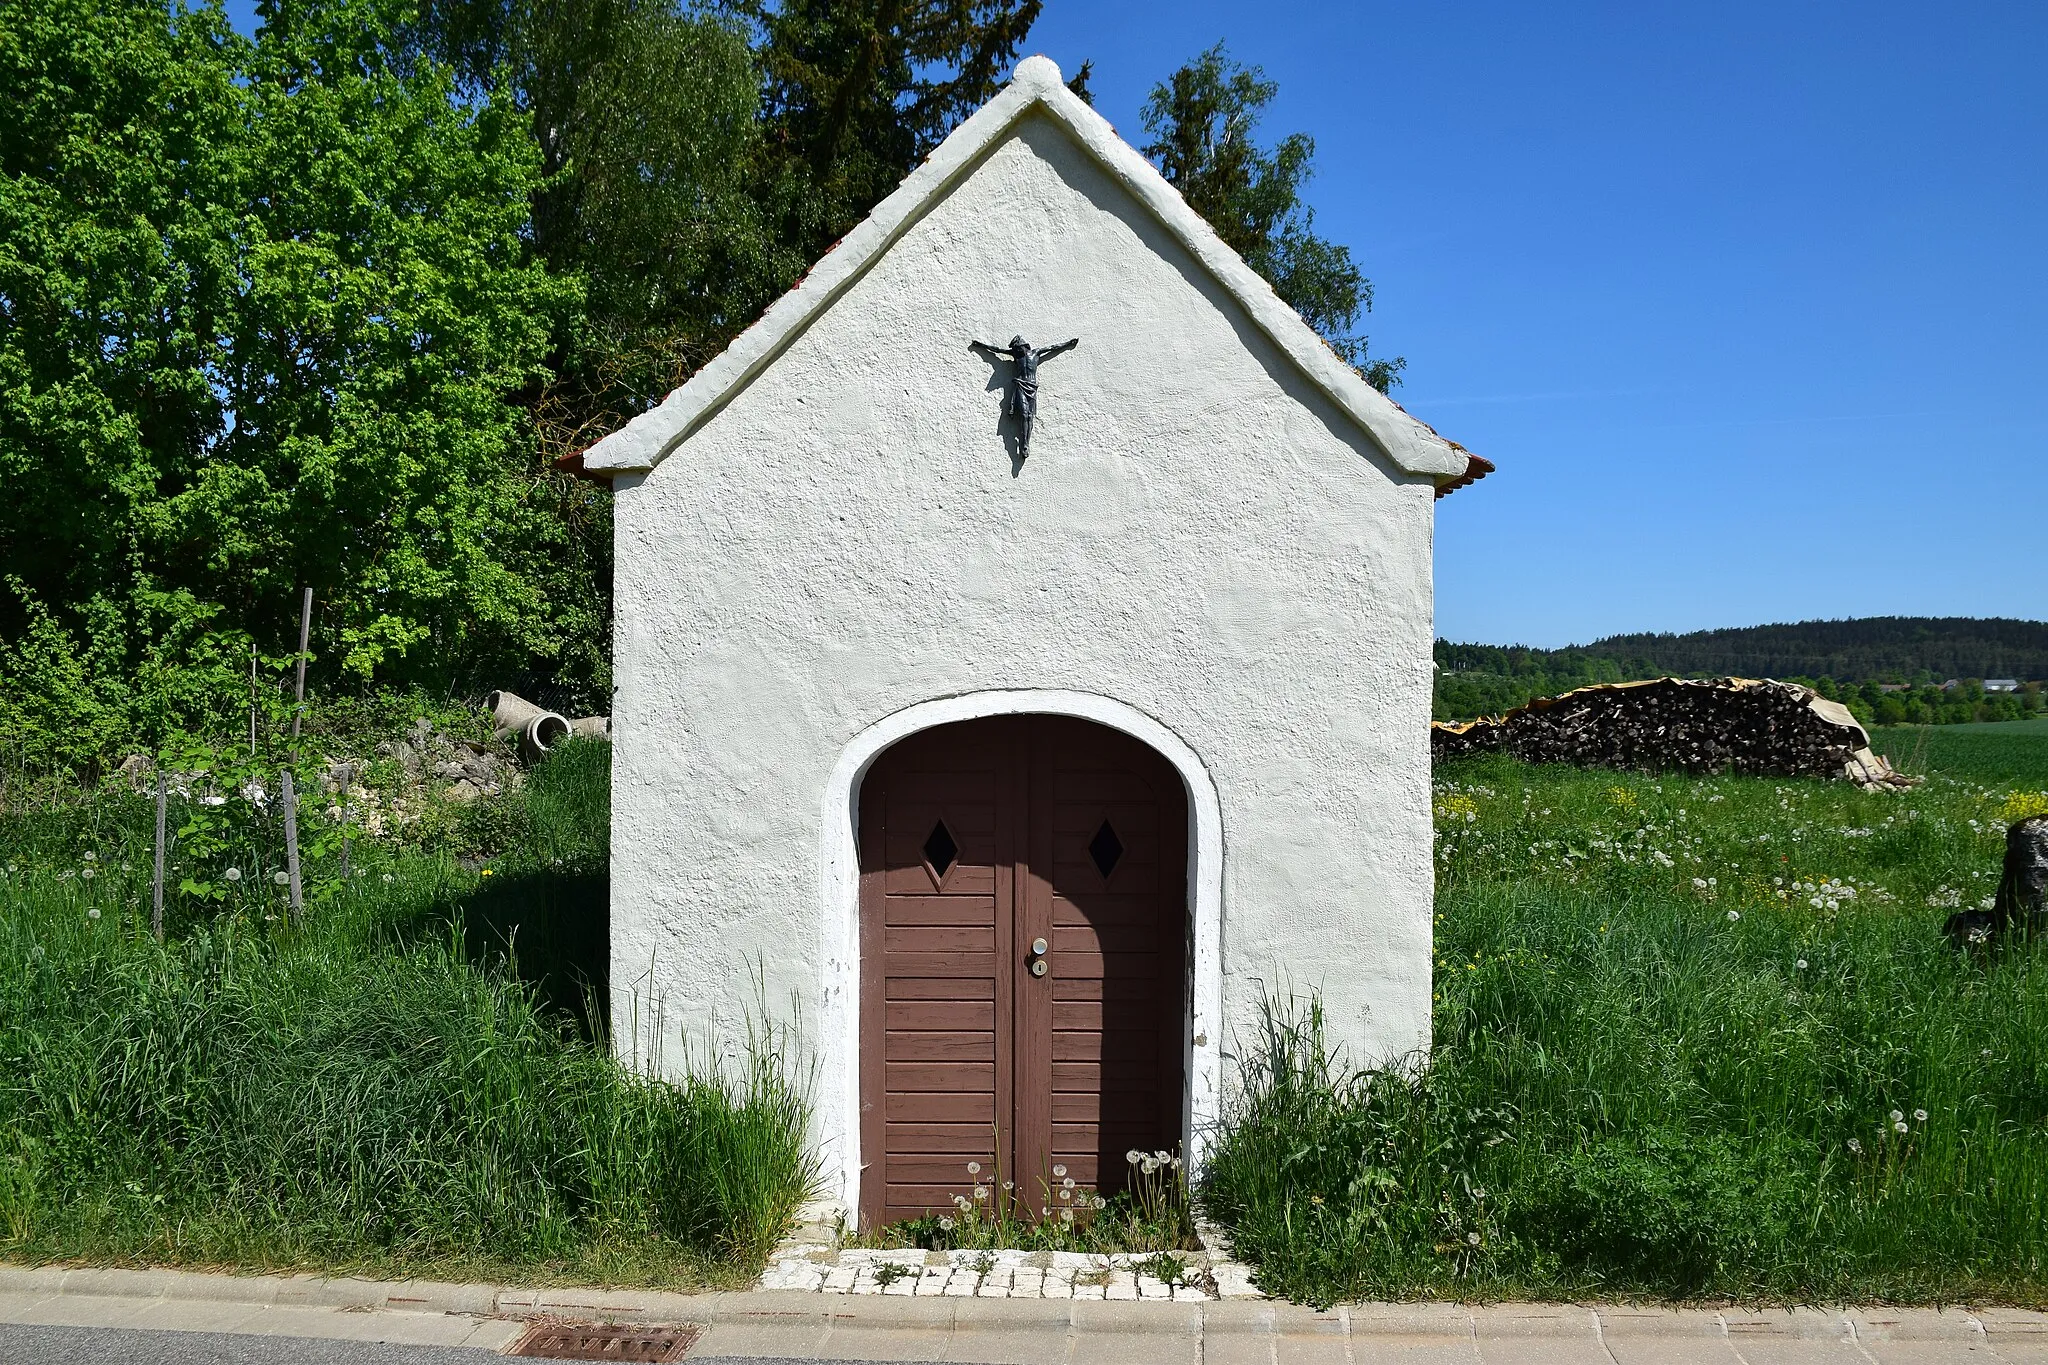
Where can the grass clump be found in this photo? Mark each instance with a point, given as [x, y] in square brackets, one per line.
[1693, 1038]
[393, 1087]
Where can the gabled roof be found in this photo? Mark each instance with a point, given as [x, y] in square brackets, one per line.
[649, 438]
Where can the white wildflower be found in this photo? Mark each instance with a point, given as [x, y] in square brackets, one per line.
[233, 874]
[281, 878]
[1800, 964]
[1734, 915]
[1472, 1239]
[93, 913]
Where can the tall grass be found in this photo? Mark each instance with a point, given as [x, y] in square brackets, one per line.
[381, 1088]
[1692, 1037]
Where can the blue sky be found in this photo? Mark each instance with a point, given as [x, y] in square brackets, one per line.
[1748, 301]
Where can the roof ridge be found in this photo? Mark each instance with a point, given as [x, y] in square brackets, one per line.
[646, 440]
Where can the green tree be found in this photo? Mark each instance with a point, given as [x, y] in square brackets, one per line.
[859, 91]
[1202, 120]
[646, 122]
[264, 303]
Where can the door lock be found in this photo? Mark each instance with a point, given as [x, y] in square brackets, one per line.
[1038, 967]
[1038, 963]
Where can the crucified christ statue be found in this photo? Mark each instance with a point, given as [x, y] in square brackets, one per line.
[1023, 400]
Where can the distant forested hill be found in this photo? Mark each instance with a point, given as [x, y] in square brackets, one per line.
[1856, 655]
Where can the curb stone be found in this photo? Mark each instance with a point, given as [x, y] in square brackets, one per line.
[1244, 1317]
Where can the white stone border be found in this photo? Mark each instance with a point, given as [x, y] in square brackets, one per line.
[839, 899]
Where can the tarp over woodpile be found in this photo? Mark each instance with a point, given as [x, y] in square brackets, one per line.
[1757, 727]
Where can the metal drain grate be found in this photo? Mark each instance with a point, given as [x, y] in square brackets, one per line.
[552, 1339]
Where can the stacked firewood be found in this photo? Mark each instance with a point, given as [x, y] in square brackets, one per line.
[1715, 725]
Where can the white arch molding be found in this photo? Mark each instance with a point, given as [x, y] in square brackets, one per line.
[839, 1022]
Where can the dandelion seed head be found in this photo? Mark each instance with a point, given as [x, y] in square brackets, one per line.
[1471, 1239]
[1896, 1116]
[93, 913]
[280, 878]
[1734, 915]
[1900, 1126]
[1919, 1116]
[234, 874]
[1059, 1170]
[974, 1168]
[1800, 964]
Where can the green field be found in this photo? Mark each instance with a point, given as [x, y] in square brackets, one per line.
[2005, 751]
[1694, 1038]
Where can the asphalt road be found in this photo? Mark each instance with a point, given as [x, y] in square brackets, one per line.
[128, 1346]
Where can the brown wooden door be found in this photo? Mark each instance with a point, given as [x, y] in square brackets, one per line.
[977, 841]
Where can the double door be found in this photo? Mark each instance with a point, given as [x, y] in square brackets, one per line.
[1024, 953]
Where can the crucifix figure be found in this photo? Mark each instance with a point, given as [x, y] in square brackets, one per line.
[1023, 400]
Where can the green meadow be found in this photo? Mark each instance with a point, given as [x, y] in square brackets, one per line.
[1694, 1037]
[409, 1084]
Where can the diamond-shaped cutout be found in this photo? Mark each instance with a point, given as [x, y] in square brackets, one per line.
[939, 849]
[1105, 849]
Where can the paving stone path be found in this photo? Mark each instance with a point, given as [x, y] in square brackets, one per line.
[812, 1261]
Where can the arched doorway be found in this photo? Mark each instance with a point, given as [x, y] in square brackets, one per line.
[1024, 949]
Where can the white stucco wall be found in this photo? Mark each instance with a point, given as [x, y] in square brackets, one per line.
[1199, 536]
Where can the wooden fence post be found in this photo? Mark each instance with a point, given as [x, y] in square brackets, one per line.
[291, 796]
[348, 778]
[156, 911]
[291, 844]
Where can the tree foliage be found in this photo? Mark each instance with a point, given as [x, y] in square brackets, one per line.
[646, 122]
[264, 301]
[1854, 661]
[1203, 120]
[857, 92]
[323, 305]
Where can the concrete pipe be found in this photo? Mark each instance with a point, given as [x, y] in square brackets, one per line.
[541, 734]
[591, 727]
[512, 713]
